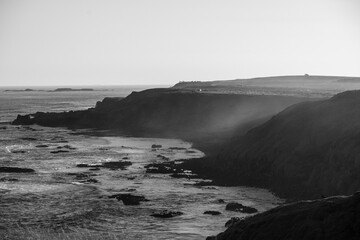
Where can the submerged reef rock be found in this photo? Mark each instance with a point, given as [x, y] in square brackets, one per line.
[129, 199]
[166, 214]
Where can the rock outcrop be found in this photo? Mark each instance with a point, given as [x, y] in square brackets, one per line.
[334, 218]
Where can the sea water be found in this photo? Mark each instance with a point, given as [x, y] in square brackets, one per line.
[53, 198]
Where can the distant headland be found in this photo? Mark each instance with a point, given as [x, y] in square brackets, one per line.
[55, 90]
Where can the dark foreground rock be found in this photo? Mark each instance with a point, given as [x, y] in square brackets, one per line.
[232, 221]
[129, 199]
[212, 212]
[16, 170]
[238, 207]
[166, 214]
[334, 218]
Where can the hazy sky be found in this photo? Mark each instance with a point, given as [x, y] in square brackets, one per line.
[102, 42]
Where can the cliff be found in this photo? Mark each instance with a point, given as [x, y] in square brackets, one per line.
[185, 114]
[309, 150]
[335, 218]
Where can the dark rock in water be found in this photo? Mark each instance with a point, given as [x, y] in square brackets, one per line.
[84, 177]
[204, 183]
[91, 180]
[129, 199]
[111, 165]
[24, 120]
[85, 165]
[183, 175]
[232, 221]
[6, 179]
[117, 165]
[69, 147]
[3, 128]
[177, 148]
[238, 207]
[166, 214]
[81, 175]
[159, 168]
[190, 151]
[16, 170]
[28, 139]
[333, 218]
[162, 157]
[128, 190]
[30, 129]
[221, 201]
[71, 89]
[60, 151]
[94, 169]
[18, 151]
[125, 158]
[212, 212]
[156, 146]
[42, 146]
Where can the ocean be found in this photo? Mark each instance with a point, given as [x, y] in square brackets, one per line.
[61, 197]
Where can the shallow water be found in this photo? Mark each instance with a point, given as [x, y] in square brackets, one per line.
[55, 199]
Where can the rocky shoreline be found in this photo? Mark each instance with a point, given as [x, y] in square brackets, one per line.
[294, 153]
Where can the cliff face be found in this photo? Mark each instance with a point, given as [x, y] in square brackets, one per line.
[309, 150]
[333, 218]
[170, 112]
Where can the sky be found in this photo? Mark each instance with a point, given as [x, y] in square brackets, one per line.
[130, 42]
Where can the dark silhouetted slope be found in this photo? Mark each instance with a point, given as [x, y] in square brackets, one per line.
[309, 150]
[335, 218]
